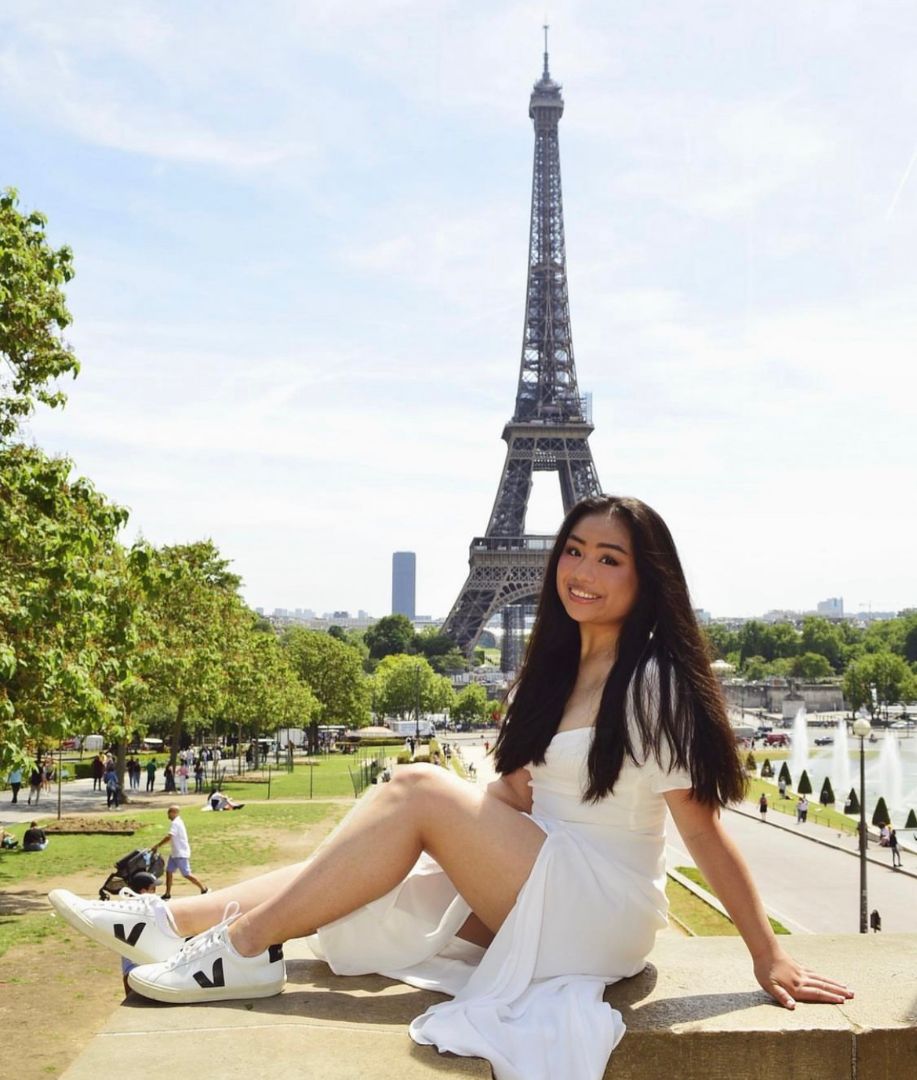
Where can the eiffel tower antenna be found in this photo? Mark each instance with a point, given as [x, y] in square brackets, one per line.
[551, 424]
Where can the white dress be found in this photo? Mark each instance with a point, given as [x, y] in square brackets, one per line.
[531, 1003]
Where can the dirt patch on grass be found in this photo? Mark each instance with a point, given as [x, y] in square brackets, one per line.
[95, 824]
[56, 993]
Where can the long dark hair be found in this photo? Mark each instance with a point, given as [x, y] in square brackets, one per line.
[678, 707]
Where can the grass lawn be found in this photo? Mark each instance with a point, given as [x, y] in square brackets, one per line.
[219, 842]
[821, 815]
[700, 918]
[698, 878]
[329, 776]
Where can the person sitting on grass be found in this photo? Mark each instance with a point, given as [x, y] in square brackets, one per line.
[219, 801]
[34, 839]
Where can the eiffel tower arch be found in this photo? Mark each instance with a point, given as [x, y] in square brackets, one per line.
[551, 424]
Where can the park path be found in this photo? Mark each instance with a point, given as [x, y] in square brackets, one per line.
[808, 875]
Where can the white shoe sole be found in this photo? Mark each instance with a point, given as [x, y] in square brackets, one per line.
[176, 996]
[58, 899]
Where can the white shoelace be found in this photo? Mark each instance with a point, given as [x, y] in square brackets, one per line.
[128, 900]
[201, 943]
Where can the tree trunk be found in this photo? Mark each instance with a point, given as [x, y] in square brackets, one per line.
[177, 728]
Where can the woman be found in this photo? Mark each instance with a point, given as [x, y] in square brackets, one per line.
[555, 874]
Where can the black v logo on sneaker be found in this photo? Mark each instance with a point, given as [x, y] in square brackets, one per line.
[274, 953]
[133, 937]
[216, 976]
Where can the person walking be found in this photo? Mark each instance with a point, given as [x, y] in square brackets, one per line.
[802, 810]
[553, 871]
[762, 806]
[15, 781]
[35, 778]
[893, 844]
[151, 774]
[180, 852]
[97, 769]
[112, 787]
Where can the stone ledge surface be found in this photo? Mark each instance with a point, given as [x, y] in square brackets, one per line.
[695, 1013]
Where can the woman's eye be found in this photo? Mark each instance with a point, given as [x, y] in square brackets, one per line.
[572, 550]
[609, 560]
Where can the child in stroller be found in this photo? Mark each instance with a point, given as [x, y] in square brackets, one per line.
[136, 861]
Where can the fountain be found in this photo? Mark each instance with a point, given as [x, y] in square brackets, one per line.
[799, 750]
[840, 761]
[891, 774]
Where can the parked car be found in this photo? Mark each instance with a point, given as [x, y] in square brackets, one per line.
[824, 740]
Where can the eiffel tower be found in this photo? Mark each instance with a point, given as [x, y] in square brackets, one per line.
[551, 426]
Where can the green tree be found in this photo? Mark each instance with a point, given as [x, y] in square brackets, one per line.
[192, 598]
[403, 683]
[263, 692]
[390, 635]
[823, 638]
[784, 774]
[773, 642]
[767, 770]
[852, 805]
[880, 815]
[721, 640]
[877, 679]
[754, 668]
[805, 784]
[334, 673]
[911, 822]
[57, 544]
[826, 798]
[33, 313]
[471, 705]
[811, 665]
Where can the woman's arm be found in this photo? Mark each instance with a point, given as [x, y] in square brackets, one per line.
[724, 868]
[513, 789]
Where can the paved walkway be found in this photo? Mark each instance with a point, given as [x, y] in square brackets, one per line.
[77, 797]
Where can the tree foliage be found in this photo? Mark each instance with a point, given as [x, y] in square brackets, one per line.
[334, 672]
[33, 313]
[826, 798]
[471, 706]
[403, 683]
[57, 600]
[880, 815]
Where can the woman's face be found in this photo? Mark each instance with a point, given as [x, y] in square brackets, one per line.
[596, 574]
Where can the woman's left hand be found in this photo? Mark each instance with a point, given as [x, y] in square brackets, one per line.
[788, 982]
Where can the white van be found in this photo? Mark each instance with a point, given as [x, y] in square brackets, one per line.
[93, 743]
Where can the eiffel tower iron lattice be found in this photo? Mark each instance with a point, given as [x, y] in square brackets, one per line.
[551, 424]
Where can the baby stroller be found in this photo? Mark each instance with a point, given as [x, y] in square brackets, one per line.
[125, 869]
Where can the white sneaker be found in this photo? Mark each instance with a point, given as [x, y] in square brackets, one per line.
[135, 925]
[208, 968]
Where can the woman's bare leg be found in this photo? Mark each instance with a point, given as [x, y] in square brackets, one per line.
[487, 849]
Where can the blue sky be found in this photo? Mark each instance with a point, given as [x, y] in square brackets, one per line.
[301, 230]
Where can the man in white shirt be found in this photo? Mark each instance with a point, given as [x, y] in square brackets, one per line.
[180, 856]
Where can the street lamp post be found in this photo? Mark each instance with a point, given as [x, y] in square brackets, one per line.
[417, 704]
[861, 728]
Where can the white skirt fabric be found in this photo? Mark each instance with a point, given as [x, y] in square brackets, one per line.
[531, 1003]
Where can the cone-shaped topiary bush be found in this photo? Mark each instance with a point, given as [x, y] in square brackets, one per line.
[750, 764]
[827, 793]
[911, 822]
[784, 775]
[853, 803]
[805, 785]
[880, 815]
[767, 769]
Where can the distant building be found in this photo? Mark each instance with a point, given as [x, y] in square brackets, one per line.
[702, 616]
[832, 608]
[404, 583]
